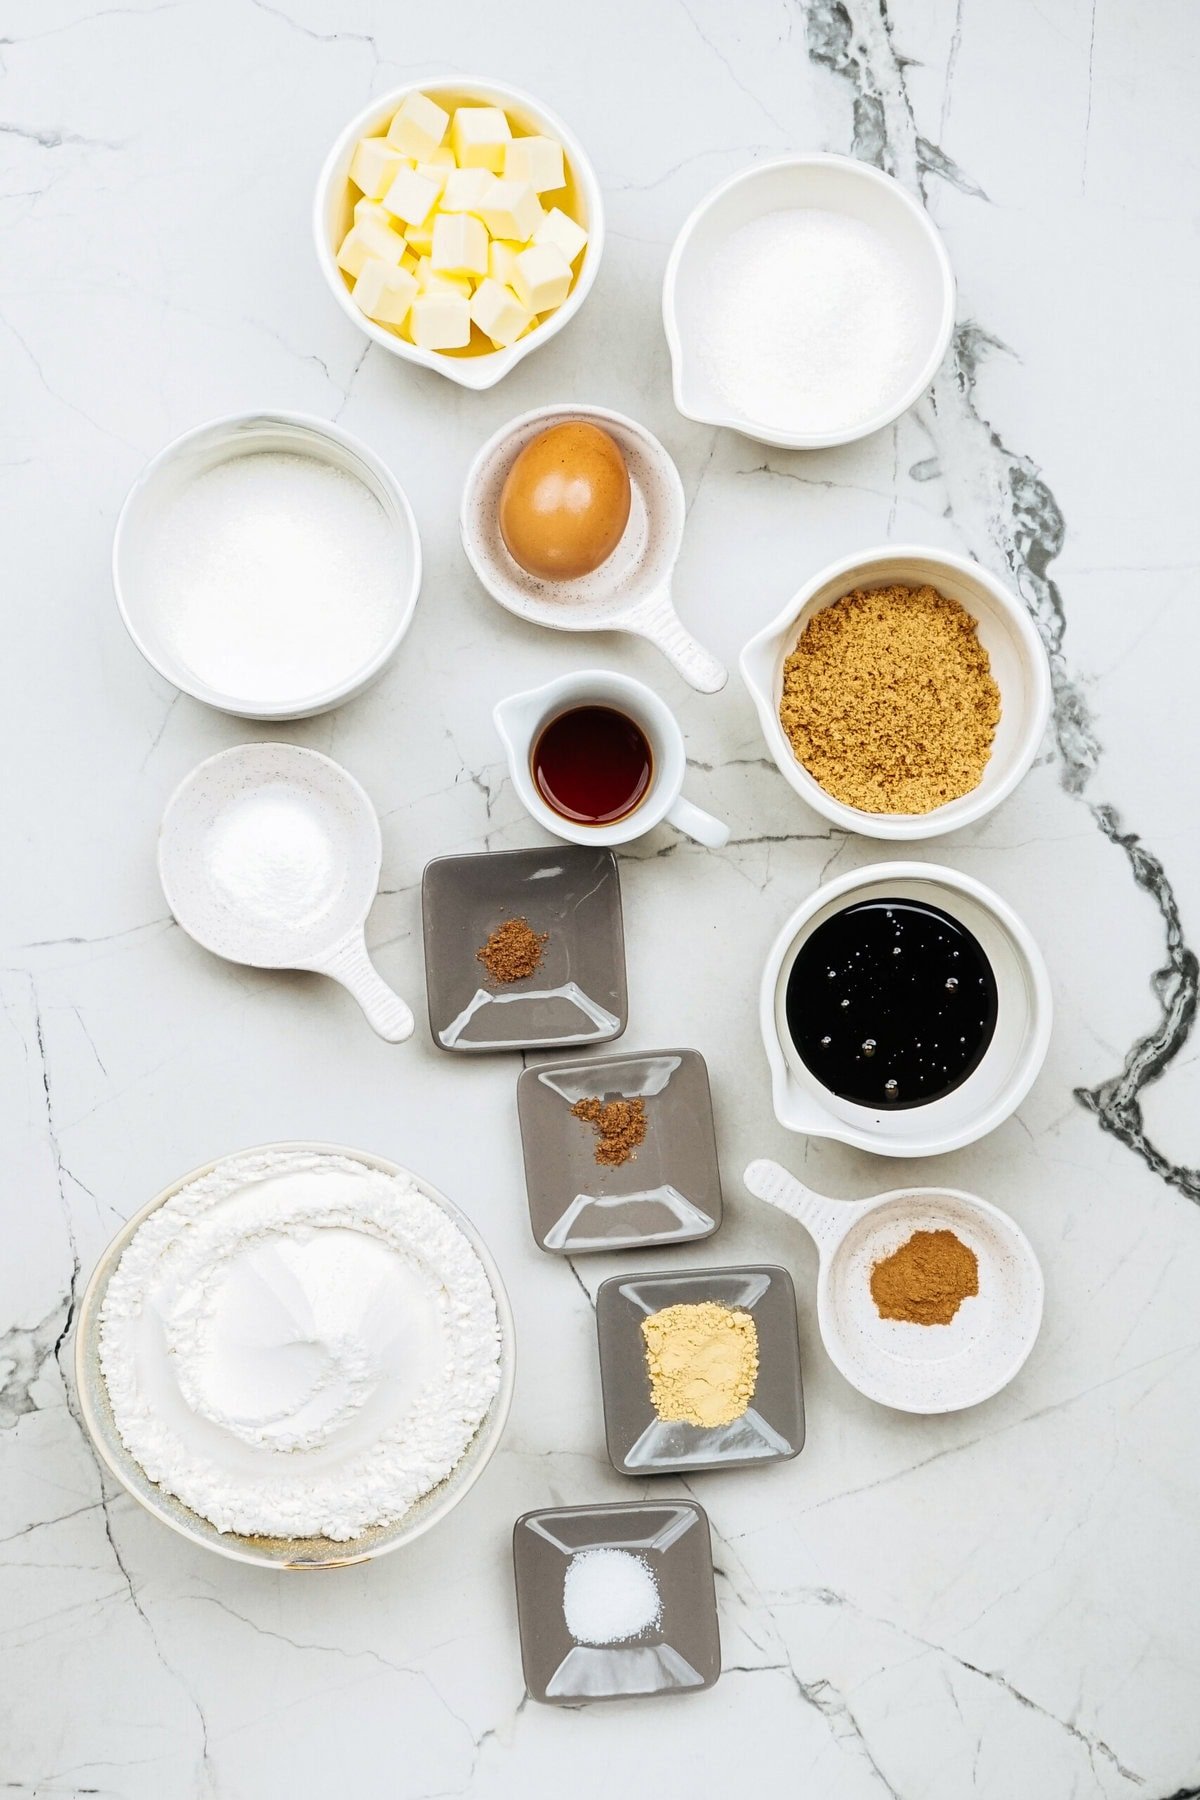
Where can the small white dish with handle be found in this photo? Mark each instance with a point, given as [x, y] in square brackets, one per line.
[828, 183]
[1018, 662]
[993, 1090]
[912, 1367]
[269, 855]
[631, 590]
[520, 720]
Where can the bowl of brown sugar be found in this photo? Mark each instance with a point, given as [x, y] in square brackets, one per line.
[903, 692]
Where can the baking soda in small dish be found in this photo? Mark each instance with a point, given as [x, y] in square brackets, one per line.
[609, 1596]
[809, 321]
[274, 577]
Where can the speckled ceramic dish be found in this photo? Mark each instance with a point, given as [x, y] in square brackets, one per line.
[679, 1653]
[577, 995]
[915, 1368]
[269, 855]
[631, 591]
[770, 1430]
[669, 1192]
[284, 1553]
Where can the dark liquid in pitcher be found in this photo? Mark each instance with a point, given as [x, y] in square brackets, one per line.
[891, 1003]
[592, 765]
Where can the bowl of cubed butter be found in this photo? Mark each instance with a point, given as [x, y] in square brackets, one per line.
[459, 224]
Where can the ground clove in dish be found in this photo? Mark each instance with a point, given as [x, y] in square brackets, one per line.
[513, 952]
[619, 1125]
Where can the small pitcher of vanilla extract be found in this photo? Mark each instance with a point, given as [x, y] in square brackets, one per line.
[598, 758]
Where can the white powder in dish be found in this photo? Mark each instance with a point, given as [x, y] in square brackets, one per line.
[273, 576]
[271, 856]
[609, 1596]
[298, 1345]
[809, 321]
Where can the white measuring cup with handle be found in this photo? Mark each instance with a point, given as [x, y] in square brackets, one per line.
[915, 1368]
[631, 590]
[269, 855]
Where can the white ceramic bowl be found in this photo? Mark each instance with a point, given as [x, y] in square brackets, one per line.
[1009, 1066]
[194, 454]
[285, 1553]
[1006, 631]
[333, 211]
[838, 184]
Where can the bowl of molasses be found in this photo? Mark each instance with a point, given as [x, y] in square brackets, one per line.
[905, 1009]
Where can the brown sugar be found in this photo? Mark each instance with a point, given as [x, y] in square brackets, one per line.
[513, 951]
[620, 1126]
[889, 701]
[926, 1280]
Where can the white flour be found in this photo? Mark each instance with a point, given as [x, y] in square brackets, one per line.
[297, 1345]
[809, 321]
[273, 576]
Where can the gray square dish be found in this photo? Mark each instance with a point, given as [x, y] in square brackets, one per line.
[679, 1653]
[577, 996]
[669, 1192]
[772, 1427]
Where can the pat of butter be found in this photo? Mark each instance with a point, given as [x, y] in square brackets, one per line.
[440, 321]
[385, 293]
[478, 135]
[536, 160]
[511, 210]
[502, 254]
[459, 245]
[467, 189]
[370, 239]
[563, 233]
[418, 127]
[541, 277]
[411, 197]
[375, 165]
[498, 313]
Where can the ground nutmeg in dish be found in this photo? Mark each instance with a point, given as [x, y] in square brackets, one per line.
[702, 1359]
[889, 700]
[513, 951]
[926, 1280]
[619, 1125]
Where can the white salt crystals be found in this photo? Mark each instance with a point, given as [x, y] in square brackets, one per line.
[609, 1596]
[809, 322]
[273, 577]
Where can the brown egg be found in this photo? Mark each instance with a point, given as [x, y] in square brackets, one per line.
[565, 501]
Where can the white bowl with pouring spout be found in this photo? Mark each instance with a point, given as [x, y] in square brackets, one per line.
[836, 184]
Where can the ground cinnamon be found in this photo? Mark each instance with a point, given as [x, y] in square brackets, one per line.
[513, 951]
[620, 1126]
[926, 1280]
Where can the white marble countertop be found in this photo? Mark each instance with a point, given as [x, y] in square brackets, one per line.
[1000, 1603]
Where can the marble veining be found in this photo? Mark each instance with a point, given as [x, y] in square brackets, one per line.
[991, 1603]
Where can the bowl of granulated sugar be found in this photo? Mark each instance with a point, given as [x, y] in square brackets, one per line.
[807, 302]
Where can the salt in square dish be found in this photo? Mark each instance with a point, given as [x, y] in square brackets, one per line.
[677, 1652]
[668, 1192]
[578, 993]
[772, 1427]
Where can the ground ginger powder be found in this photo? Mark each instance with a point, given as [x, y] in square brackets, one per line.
[703, 1362]
[889, 702]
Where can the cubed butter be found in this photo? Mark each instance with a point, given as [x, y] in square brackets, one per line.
[432, 281]
[411, 197]
[385, 293]
[370, 239]
[420, 237]
[511, 210]
[502, 254]
[372, 209]
[418, 127]
[459, 245]
[375, 165]
[498, 313]
[478, 135]
[435, 172]
[541, 277]
[466, 190]
[536, 160]
[563, 233]
[440, 321]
